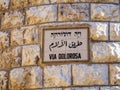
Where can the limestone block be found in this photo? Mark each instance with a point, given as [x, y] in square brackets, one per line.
[94, 74]
[105, 1]
[51, 89]
[30, 34]
[63, 1]
[18, 4]
[115, 74]
[73, 12]
[30, 55]
[3, 80]
[10, 57]
[104, 12]
[4, 5]
[29, 77]
[12, 19]
[4, 40]
[38, 2]
[106, 52]
[56, 76]
[84, 88]
[115, 31]
[40, 14]
[110, 88]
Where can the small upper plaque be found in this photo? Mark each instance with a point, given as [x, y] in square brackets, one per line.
[65, 45]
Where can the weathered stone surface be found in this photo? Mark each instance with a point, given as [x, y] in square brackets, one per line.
[73, 12]
[30, 34]
[18, 4]
[52, 89]
[94, 74]
[115, 31]
[38, 2]
[84, 88]
[40, 14]
[3, 80]
[10, 57]
[29, 77]
[4, 5]
[30, 55]
[106, 1]
[12, 19]
[106, 52]
[63, 1]
[115, 74]
[110, 88]
[4, 40]
[105, 12]
[56, 76]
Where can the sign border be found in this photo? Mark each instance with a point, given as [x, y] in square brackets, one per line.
[59, 28]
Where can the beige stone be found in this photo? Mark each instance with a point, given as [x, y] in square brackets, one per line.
[115, 74]
[4, 4]
[3, 80]
[94, 74]
[56, 76]
[12, 19]
[104, 12]
[52, 89]
[40, 14]
[30, 55]
[63, 1]
[105, 1]
[25, 78]
[105, 52]
[18, 4]
[38, 2]
[10, 57]
[73, 12]
[80, 88]
[110, 88]
[115, 31]
[4, 40]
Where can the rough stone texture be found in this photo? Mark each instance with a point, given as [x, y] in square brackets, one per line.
[40, 14]
[12, 19]
[104, 12]
[84, 88]
[18, 4]
[3, 80]
[115, 74]
[94, 74]
[106, 52]
[64, 1]
[4, 5]
[21, 78]
[73, 12]
[38, 2]
[10, 57]
[106, 1]
[115, 31]
[56, 76]
[110, 88]
[4, 40]
[52, 89]
[30, 55]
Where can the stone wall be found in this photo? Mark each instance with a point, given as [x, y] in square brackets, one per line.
[21, 47]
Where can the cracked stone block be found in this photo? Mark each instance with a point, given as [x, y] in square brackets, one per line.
[40, 14]
[56, 76]
[115, 74]
[12, 19]
[25, 78]
[30, 55]
[4, 40]
[64, 1]
[30, 34]
[38, 2]
[104, 1]
[3, 80]
[94, 74]
[4, 4]
[104, 12]
[18, 4]
[110, 88]
[73, 12]
[115, 31]
[106, 52]
[10, 57]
